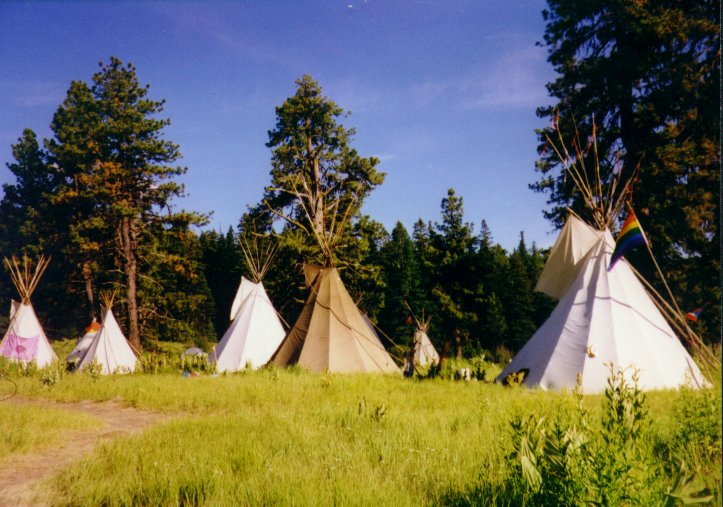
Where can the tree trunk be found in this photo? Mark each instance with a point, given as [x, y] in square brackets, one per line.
[128, 237]
[458, 343]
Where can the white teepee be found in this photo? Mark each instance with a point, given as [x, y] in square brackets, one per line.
[255, 331]
[109, 347]
[424, 351]
[602, 317]
[25, 340]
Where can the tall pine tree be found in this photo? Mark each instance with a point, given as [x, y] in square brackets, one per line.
[648, 72]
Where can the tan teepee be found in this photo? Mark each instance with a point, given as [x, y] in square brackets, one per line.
[331, 333]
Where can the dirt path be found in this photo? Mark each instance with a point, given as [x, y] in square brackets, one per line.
[22, 473]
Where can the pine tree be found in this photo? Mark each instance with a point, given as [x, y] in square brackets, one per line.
[455, 289]
[518, 298]
[648, 72]
[116, 175]
[491, 268]
[400, 271]
[318, 180]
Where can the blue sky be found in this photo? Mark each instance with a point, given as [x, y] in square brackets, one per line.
[443, 92]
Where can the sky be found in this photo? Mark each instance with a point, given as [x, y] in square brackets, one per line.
[442, 92]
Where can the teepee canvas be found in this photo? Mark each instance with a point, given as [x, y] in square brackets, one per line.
[25, 340]
[84, 342]
[109, 347]
[255, 331]
[604, 317]
[424, 351]
[331, 333]
[607, 314]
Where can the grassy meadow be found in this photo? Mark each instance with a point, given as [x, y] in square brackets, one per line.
[294, 437]
[25, 428]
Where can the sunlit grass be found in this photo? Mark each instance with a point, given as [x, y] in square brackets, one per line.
[280, 437]
[24, 428]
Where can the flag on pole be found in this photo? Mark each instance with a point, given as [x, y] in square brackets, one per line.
[693, 316]
[631, 236]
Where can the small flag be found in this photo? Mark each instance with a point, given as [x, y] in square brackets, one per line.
[630, 236]
[409, 320]
[693, 316]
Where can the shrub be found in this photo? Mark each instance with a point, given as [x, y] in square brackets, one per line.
[572, 461]
[53, 373]
[197, 363]
[93, 370]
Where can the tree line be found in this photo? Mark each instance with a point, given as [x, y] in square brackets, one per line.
[479, 296]
[99, 195]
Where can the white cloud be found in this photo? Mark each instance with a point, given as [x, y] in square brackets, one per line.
[517, 79]
[237, 40]
[32, 93]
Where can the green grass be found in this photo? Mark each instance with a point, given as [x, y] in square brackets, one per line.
[292, 437]
[25, 428]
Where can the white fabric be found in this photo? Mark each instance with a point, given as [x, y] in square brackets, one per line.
[24, 323]
[424, 352]
[110, 349]
[244, 289]
[82, 346]
[255, 333]
[575, 241]
[605, 317]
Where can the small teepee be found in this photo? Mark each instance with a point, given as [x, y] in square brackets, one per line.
[25, 340]
[605, 315]
[424, 351]
[84, 341]
[255, 331]
[109, 348]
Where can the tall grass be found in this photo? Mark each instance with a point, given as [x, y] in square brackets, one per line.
[24, 428]
[292, 437]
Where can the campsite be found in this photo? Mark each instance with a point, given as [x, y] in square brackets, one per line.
[459, 254]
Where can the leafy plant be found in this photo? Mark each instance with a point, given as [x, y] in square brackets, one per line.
[570, 461]
[197, 363]
[52, 373]
[94, 370]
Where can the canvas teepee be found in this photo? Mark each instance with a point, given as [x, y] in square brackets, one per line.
[255, 331]
[424, 351]
[25, 340]
[84, 342]
[605, 315]
[331, 333]
[109, 347]
[602, 317]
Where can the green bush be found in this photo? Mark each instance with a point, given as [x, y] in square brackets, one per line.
[53, 373]
[573, 461]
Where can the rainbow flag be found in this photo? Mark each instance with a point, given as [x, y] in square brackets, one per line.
[693, 316]
[630, 236]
